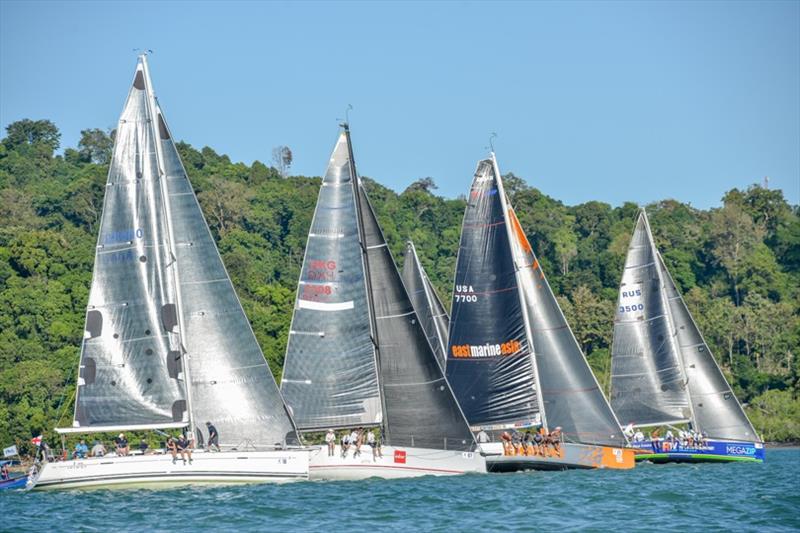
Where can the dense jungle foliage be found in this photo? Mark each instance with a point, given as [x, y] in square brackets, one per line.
[738, 266]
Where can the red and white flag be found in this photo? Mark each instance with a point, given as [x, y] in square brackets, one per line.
[37, 440]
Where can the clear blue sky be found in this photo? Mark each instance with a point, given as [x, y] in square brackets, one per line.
[601, 101]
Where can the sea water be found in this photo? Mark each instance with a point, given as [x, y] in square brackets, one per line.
[700, 497]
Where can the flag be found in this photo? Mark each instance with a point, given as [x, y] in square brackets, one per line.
[37, 440]
[10, 451]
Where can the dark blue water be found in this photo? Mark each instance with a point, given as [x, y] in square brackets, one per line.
[669, 497]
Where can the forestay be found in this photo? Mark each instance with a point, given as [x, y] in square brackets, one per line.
[648, 386]
[432, 315]
[716, 410]
[330, 375]
[420, 407]
[489, 359]
[130, 373]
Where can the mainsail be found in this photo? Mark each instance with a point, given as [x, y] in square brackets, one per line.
[648, 386]
[167, 311]
[432, 314]
[418, 407]
[130, 370]
[330, 375]
[489, 358]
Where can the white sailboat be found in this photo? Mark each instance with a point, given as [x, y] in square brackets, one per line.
[357, 355]
[167, 345]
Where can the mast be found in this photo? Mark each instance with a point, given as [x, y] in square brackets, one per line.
[154, 118]
[537, 385]
[668, 311]
[368, 281]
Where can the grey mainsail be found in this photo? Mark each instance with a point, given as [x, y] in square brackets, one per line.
[330, 374]
[432, 314]
[411, 399]
[716, 410]
[648, 386]
[231, 384]
[571, 395]
[130, 374]
[489, 357]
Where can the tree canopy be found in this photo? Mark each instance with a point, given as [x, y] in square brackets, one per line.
[738, 266]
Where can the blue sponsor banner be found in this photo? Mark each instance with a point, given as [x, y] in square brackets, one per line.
[709, 447]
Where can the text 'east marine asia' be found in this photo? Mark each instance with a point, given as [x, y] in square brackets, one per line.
[486, 350]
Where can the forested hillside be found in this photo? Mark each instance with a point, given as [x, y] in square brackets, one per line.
[738, 266]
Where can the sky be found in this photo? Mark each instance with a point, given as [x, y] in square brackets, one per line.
[608, 101]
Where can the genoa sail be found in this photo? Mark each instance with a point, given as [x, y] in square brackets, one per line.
[571, 396]
[420, 407]
[716, 410]
[430, 310]
[489, 357]
[130, 373]
[231, 384]
[330, 374]
[647, 380]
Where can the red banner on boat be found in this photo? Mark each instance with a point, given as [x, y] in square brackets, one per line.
[400, 456]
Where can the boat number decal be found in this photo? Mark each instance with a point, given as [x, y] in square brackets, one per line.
[321, 270]
[127, 235]
[630, 300]
[465, 293]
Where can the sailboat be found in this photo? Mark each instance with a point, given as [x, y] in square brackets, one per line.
[663, 373]
[429, 308]
[167, 345]
[512, 359]
[357, 355]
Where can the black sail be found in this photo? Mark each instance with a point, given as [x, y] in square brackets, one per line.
[647, 380]
[420, 407]
[432, 314]
[716, 410]
[129, 375]
[330, 375]
[489, 359]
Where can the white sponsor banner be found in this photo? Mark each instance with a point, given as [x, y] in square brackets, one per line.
[11, 450]
[323, 306]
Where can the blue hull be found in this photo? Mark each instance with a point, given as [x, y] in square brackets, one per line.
[15, 483]
[713, 451]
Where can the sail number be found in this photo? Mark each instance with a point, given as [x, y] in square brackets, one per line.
[464, 293]
[633, 307]
[321, 270]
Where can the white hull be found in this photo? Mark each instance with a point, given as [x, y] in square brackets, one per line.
[225, 467]
[397, 462]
